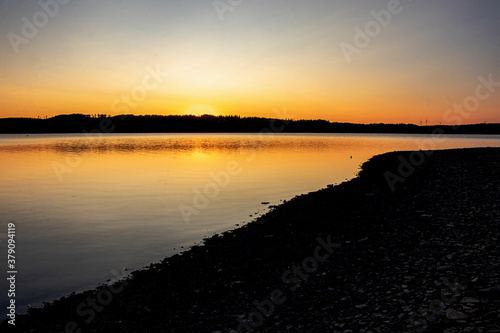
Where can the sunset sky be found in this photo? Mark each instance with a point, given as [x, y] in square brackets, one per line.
[355, 61]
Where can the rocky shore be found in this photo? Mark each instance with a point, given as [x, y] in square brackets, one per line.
[410, 245]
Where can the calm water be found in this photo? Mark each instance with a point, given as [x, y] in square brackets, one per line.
[85, 206]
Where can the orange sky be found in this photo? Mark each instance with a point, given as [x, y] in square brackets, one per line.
[172, 58]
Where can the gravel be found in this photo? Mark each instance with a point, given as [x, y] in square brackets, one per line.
[356, 257]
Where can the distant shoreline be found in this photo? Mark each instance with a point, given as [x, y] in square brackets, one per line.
[98, 124]
[384, 259]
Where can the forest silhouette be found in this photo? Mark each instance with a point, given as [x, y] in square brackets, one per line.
[101, 123]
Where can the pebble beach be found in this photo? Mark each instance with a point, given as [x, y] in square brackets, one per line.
[409, 245]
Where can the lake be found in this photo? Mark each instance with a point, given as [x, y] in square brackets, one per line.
[86, 207]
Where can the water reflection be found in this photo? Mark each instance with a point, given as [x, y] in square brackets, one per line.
[116, 202]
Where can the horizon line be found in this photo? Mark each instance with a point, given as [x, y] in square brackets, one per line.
[103, 115]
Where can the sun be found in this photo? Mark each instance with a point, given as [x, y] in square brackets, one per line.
[201, 109]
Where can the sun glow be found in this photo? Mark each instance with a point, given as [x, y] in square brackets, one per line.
[201, 109]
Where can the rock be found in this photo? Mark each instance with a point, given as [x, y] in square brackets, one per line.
[454, 314]
[494, 290]
[469, 300]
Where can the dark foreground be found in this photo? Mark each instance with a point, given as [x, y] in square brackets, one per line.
[352, 258]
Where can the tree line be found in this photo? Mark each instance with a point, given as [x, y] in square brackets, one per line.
[80, 123]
